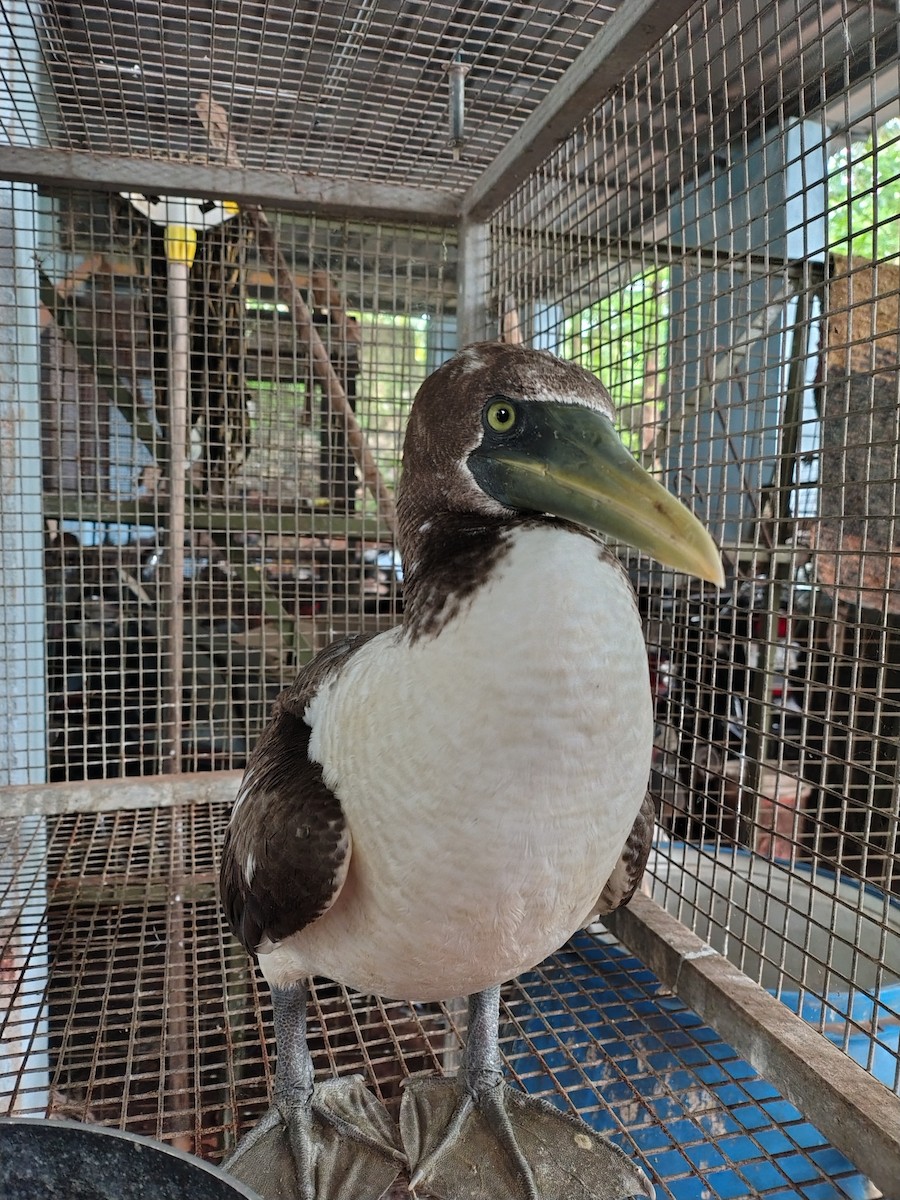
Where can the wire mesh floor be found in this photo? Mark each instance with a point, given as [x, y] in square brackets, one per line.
[111, 935]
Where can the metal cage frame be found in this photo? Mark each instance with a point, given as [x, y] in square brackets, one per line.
[549, 170]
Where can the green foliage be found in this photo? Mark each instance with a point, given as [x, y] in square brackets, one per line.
[864, 196]
[622, 339]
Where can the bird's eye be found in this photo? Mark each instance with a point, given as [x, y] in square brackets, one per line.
[501, 416]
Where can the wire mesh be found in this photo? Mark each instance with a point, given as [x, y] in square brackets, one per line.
[342, 89]
[718, 242]
[156, 1022]
[277, 545]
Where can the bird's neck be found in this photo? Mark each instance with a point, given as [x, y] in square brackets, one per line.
[446, 558]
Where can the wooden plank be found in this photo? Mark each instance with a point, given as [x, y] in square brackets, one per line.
[117, 892]
[110, 795]
[852, 1109]
[290, 522]
[276, 189]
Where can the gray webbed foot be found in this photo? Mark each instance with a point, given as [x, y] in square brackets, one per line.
[505, 1145]
[338, 1145]
[326, 1141]
[478, 1138]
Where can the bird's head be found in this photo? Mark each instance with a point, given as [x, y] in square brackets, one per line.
[500, 432]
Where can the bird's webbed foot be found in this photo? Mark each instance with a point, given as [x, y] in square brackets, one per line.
[475, 1137]
[501, 1144]
[339, 1144]
[319, 1141]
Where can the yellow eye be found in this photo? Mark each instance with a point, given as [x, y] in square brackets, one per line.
[501, 416]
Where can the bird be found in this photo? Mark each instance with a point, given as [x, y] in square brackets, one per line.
[436, 808]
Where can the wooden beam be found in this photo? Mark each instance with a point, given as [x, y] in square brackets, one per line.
[111, 795]
[115, 892]
[285, 520]
[631, 31]
[274, 189]
[853, 1110]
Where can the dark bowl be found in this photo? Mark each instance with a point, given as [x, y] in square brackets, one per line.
[62, 1160]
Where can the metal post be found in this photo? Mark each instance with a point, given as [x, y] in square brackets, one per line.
[179, 377]
[474, 281]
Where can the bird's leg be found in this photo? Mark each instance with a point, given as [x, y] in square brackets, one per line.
[475, 1136]
[327, 1141]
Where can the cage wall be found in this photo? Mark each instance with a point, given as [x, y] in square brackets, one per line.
[174, 616]
[165, 606]
[718, 241]
[686, 243]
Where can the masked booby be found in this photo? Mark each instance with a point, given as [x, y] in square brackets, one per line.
[435, 809]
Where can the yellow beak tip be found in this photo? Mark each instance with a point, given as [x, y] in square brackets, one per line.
[708, 565]
[716, 574]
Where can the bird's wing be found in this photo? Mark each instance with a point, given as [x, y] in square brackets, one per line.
[623, 882]
[287, 847]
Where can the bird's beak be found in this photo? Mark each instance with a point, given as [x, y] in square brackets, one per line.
[568, 460]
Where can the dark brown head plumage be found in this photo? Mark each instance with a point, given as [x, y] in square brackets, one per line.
[451, 533]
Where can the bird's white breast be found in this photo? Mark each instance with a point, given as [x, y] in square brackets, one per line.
[489, 777]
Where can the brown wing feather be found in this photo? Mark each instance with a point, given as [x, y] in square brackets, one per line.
[623, 882]
[285, 850]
